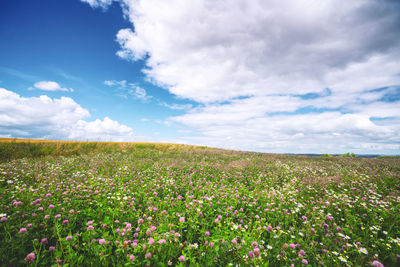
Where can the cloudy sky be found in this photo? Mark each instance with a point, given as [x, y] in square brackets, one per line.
[293, 76]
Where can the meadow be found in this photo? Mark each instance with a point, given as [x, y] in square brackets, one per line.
[127, 204]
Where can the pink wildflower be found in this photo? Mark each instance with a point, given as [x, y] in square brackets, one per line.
[377, 264]
[182, 258]
[251, 254]
[30, 257]
[151, 241]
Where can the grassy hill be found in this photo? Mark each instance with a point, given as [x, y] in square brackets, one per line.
[135, 204]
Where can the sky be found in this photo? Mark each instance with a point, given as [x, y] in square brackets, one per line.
[293, 76]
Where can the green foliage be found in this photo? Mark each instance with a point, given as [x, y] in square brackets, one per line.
[118, 202]
[348, 155]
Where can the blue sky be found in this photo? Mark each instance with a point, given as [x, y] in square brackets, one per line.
[287, 77]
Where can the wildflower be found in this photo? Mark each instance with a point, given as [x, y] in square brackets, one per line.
[148, 255]
[57, 216]
[68, 238]
[65, 222]
[30, 257]
[363, 250]
[269, 228]
[162, 241]
[304, 261]
[22, 231]
[182, 258]
[153, 228]
[131, 258]
[377, 264]
[51, 248]
[151, 241]
[251, 254]
[51, 206]
[3, 219]
[256, 252]
[102, 241]
[254, 244]
[44, 241]
[293, 246]
[47, 217]
[342, 259]
[182, 219]
[140, 221]
[269, 247]
[90, 227]
[207, 233]
[89, 223]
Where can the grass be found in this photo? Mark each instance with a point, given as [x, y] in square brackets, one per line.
[136, 204]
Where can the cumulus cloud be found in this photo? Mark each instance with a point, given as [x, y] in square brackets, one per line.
[50, 86]
[54, 118]
[211, 51]
[284, 76]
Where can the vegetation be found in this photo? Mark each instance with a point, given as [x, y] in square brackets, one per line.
[120, 204]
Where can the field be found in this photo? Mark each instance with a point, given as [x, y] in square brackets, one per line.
[121, 204]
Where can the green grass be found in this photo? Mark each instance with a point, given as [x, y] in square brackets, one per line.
[239, 208]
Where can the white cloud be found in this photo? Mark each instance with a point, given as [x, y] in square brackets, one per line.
[119, 84]
[54, 118]
[299, 133]
[98, 3]
[176, 106]
[126, 89]
[217, 50]
[106, 130]
[251, 63]
[50, 86]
